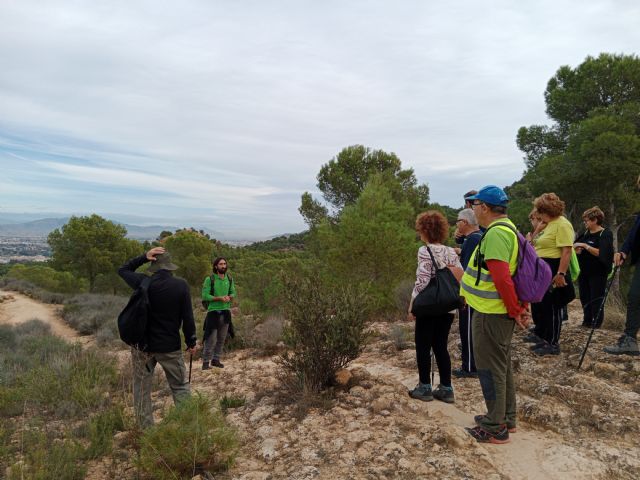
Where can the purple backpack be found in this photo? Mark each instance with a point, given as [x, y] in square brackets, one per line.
[532, 276]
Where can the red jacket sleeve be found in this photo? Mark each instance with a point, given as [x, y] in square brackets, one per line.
[499, 271]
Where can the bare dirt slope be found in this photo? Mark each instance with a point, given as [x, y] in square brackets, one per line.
[16, 308]
[572, 425]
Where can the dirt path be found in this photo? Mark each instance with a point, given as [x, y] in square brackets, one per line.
[16, 308]
[530, 454]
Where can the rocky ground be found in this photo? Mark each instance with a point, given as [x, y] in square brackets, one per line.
[572, 424]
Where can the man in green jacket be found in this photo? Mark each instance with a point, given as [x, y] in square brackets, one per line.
[218, 290]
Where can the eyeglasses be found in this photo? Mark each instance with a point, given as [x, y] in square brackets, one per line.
[475, 204]
[460, 220]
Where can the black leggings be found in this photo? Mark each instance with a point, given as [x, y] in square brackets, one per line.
[433, 333]
[592, 289]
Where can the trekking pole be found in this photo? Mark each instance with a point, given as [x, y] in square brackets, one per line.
[190, 365]
[433, 370]
[593, 320]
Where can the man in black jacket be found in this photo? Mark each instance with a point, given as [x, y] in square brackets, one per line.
[170, 308]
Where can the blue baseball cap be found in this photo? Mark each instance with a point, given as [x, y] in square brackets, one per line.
[492, 195]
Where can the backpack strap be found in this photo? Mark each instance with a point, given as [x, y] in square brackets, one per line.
[478, 260]
[213, 280]
[144, 287]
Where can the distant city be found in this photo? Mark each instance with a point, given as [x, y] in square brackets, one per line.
[24, 249]
[27, 241]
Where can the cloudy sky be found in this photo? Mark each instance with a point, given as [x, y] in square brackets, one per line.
[220, 114]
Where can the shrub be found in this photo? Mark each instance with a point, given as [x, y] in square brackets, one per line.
[48, 279]
[45, 459]
[93, 313]
[325, 331]
[101, 429]
[192, 438]
[401, 336]
[231, 402]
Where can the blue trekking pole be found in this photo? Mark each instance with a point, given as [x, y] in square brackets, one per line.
[593, 320]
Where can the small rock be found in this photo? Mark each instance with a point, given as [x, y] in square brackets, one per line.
[256, 476]
[307, 472]
[309, 455]
[121, 438]
[382, 403]
[393, 449]
[605, 370]
[358, 436]
[261, 413]
[268, 450]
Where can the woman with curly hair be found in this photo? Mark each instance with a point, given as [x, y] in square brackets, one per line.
[433, 332]
[595, 256]
[554, 245]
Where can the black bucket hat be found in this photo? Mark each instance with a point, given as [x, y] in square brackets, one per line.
[163, 262]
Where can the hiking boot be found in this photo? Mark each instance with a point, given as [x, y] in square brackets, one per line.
[422, 392]
[547, 349]
[444, 394]
[531, 338]
[626, 345]
[205, 366]
[216, 363]
[462, 373]
[482, 436]
[478, 419]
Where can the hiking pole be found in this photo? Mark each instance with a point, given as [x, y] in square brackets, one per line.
[433, 370]
[593, 320]
[190, 365]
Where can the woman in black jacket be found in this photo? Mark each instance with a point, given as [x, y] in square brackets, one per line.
[595, 256]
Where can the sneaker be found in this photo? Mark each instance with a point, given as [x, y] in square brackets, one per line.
[547, 349]
[205, 366]
[626, 345]
[444, 394]
[482, 436]
[422, 392]
[462, 373]
[535, 346]
[532, 338]
[478, 419]
[216, 363]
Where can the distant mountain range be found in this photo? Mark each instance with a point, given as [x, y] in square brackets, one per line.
[44, 226]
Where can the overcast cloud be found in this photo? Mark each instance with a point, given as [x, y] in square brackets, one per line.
[220, 114]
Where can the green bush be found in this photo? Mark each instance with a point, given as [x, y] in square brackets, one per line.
[192, 438]
[46, 371]
[325, 331]
[227, 402]
[45, 459]
[101, 429]
[48, 278]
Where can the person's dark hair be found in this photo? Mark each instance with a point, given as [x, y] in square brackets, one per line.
[433, 224]
[549, 204]
[594, 213]
[216, 262]
[470, 193]
[499, 209]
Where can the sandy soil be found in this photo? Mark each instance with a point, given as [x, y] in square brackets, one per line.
[16, 308]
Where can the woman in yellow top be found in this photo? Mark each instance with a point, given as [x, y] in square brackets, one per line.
[554, 246]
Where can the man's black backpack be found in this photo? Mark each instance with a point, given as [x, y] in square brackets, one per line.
[205, 303]
[132, 321]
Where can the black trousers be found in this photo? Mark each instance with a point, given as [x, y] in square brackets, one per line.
[547, 314]
[464, 323]
[433, 333]
[592, 289]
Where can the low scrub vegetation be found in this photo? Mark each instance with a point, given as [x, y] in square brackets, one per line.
[192, 438]
[93, 314]
[57, 404]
